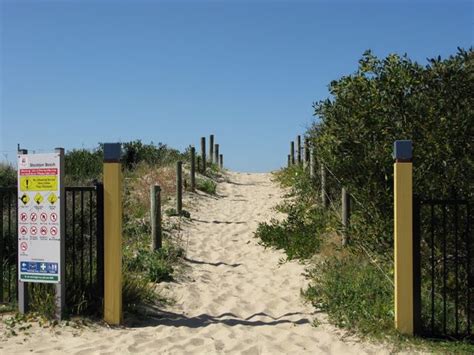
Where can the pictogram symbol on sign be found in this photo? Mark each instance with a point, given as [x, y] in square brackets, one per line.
[54, 217]
[38, 198]
[25, 199]
[54, 231]
[52, 198]
[33, 230]
[43, 217]
[33, 217]
[43, 230]
[24, 246]
[23, 230]
[23, 217]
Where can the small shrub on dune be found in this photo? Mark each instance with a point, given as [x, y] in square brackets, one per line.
[354, 293]
[207, 186]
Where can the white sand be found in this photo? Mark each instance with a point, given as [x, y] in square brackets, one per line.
[235, 298]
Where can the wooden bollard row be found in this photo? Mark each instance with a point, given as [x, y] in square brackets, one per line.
[308, 160]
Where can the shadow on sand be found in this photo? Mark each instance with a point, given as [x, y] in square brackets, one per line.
[158, 317]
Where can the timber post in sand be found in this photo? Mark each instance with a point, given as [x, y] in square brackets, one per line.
[324, 196]
[211, 149]
[193, 169]
[312, 164]
[216, 152]
[203, 155]
[346, 214]
[298, 148]
[179, 187]
[156, 234]
[292, 152]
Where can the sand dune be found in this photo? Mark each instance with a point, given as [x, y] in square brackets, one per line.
[235, 298]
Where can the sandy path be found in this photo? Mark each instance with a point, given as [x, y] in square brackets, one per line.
[236, 297]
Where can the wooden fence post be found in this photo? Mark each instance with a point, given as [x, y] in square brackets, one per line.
[306, 153]
[346, 215]
[298, 147]
[324, 193]
[312, 164]
[221, 161]
[216, 152]
[179, 187]
[112, 234]
[289, 161]
[403, 238]
[193, 169]
[203, 155]
[292, 152]
[211, 149]
[155, 214]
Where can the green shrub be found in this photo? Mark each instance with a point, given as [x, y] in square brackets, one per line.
[136, 291]
[82, 166]
[172, 212]
[8, 175]
[206, 185]
[156, 266]
[389, 99]
[299, 235]
[354, 293]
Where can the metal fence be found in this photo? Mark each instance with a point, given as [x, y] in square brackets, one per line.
[443, 268]
[84, 230]
[8, 244]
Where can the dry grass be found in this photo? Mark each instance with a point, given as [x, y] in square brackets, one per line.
[145, 176]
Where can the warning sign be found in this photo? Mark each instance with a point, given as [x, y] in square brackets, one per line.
[52, 198]
[39, 246]
[25, 199]
[38, 183]
[38, 198]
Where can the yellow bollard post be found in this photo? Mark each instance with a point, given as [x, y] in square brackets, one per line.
[112, 234]
[403, 236]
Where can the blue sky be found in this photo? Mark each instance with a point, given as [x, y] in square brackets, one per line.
[75, 73]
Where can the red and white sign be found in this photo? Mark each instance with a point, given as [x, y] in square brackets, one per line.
[33, 217]
[24, 246]
[53, 231]
[43, 231]
[43, 217]
[54, 217]
[23, 230]
[23, 217]
[33, 230]
[37, 172]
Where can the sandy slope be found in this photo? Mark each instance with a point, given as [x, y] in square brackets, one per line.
[236, 297]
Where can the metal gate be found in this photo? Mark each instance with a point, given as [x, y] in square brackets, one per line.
[443, 268]
[84, 229]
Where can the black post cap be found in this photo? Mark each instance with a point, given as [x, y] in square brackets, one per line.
[112, 152]
[403, 151]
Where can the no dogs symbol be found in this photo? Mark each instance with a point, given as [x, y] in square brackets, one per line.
[24, 246]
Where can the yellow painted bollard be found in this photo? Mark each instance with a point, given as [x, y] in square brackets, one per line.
[403, 236]
[112, 234]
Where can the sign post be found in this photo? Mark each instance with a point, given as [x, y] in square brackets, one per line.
[40, 223]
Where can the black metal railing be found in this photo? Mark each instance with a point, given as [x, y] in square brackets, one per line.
[84, 245]
[84, 230]
[8, 244]
[443, 268]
